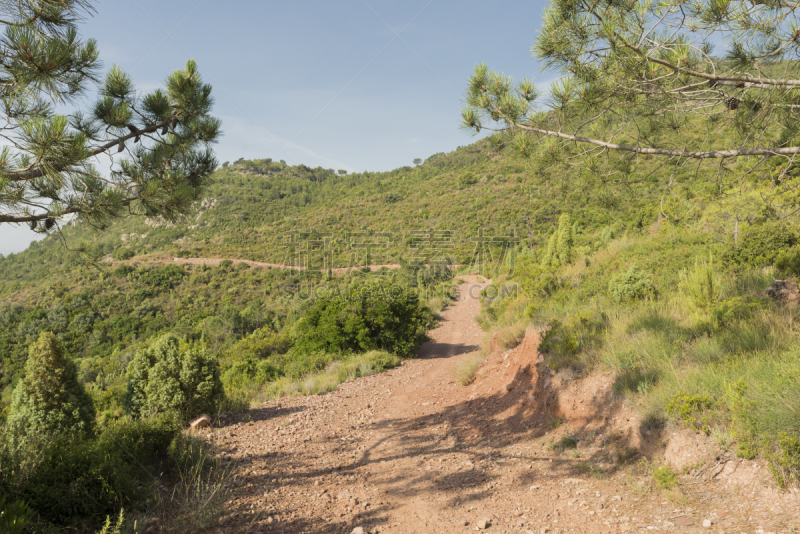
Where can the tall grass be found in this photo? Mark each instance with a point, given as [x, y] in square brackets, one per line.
[465, 371]
[336, 372]
[711, 351]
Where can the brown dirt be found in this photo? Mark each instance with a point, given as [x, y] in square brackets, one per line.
[409, 451]
[216, 261]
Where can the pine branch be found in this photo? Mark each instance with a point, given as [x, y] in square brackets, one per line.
[35, 171]
[713, 154]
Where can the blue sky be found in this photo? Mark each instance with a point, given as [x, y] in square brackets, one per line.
[351, 84]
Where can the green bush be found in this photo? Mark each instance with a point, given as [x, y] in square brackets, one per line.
[564, 342]
[260, 344]
[122, 254]
[665, 477]
[762, 244]
[734, 309]
[14, 516]
[377, 316]
[123, 271]
[702, 284]
[174, 378]
[250, 370]
[692, 410]
[65, 480]
[632, 285]
[784, 459]
[50, 399]
[788, 261]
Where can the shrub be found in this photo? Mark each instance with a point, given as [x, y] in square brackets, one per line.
[734, 309]
[467, 179]
[262, 343]
[691, 410]
[701, 284]
[788, 261]
[123, 271]
[565, 240]
[665, 477]
[65, 480]
[14, 516]
[175, 378]
[375, 318]
[122, 254]
[50, 399]
[760, 245]
[512, 336]
[164, 278]
[784, 459]
[632, 285]
[249, 370]
[464, 371]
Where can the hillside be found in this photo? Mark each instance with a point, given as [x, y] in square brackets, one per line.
[660, 288]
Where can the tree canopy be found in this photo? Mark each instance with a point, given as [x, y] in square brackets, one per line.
[158, 144]
[639, 79]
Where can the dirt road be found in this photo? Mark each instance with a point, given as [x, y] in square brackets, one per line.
[409, 451]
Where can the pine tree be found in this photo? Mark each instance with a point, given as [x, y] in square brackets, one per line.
[158, 143]
[173, 378]
[565, 239]
[50, 399]
[633, 80]
[550, 254]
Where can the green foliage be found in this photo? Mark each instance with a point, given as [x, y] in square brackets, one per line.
[550, 257]
[563, 343]
[49, 399]
[163, 278]
[635, 284]
[565, 240]
[466, 179]
[788, 261]
[762, 245]
[166, 133]
[702, 284]
[567, 442]
[733, 310]
[375, 316]
[14, 516]
[123, 253]
[602, 63]
[692, 410]
[784, 459]
[173, 378]
[262, 343]
[665, 477]
[65, 480]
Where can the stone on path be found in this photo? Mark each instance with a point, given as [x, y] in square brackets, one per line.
[201, 421]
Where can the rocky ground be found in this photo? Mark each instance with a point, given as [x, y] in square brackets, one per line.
[410, 451]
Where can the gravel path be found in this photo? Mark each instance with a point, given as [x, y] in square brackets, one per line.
[409, 451]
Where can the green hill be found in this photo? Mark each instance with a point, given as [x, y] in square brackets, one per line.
[661, 286]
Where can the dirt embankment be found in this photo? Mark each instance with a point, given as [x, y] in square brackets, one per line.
[409, 451]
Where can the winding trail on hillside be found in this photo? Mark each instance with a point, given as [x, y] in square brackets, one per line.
[216, 261]
[409, 451]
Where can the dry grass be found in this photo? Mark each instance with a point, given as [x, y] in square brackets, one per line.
[464, 372]
[512, 336]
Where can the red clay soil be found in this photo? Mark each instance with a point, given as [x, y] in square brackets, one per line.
[410, 451]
